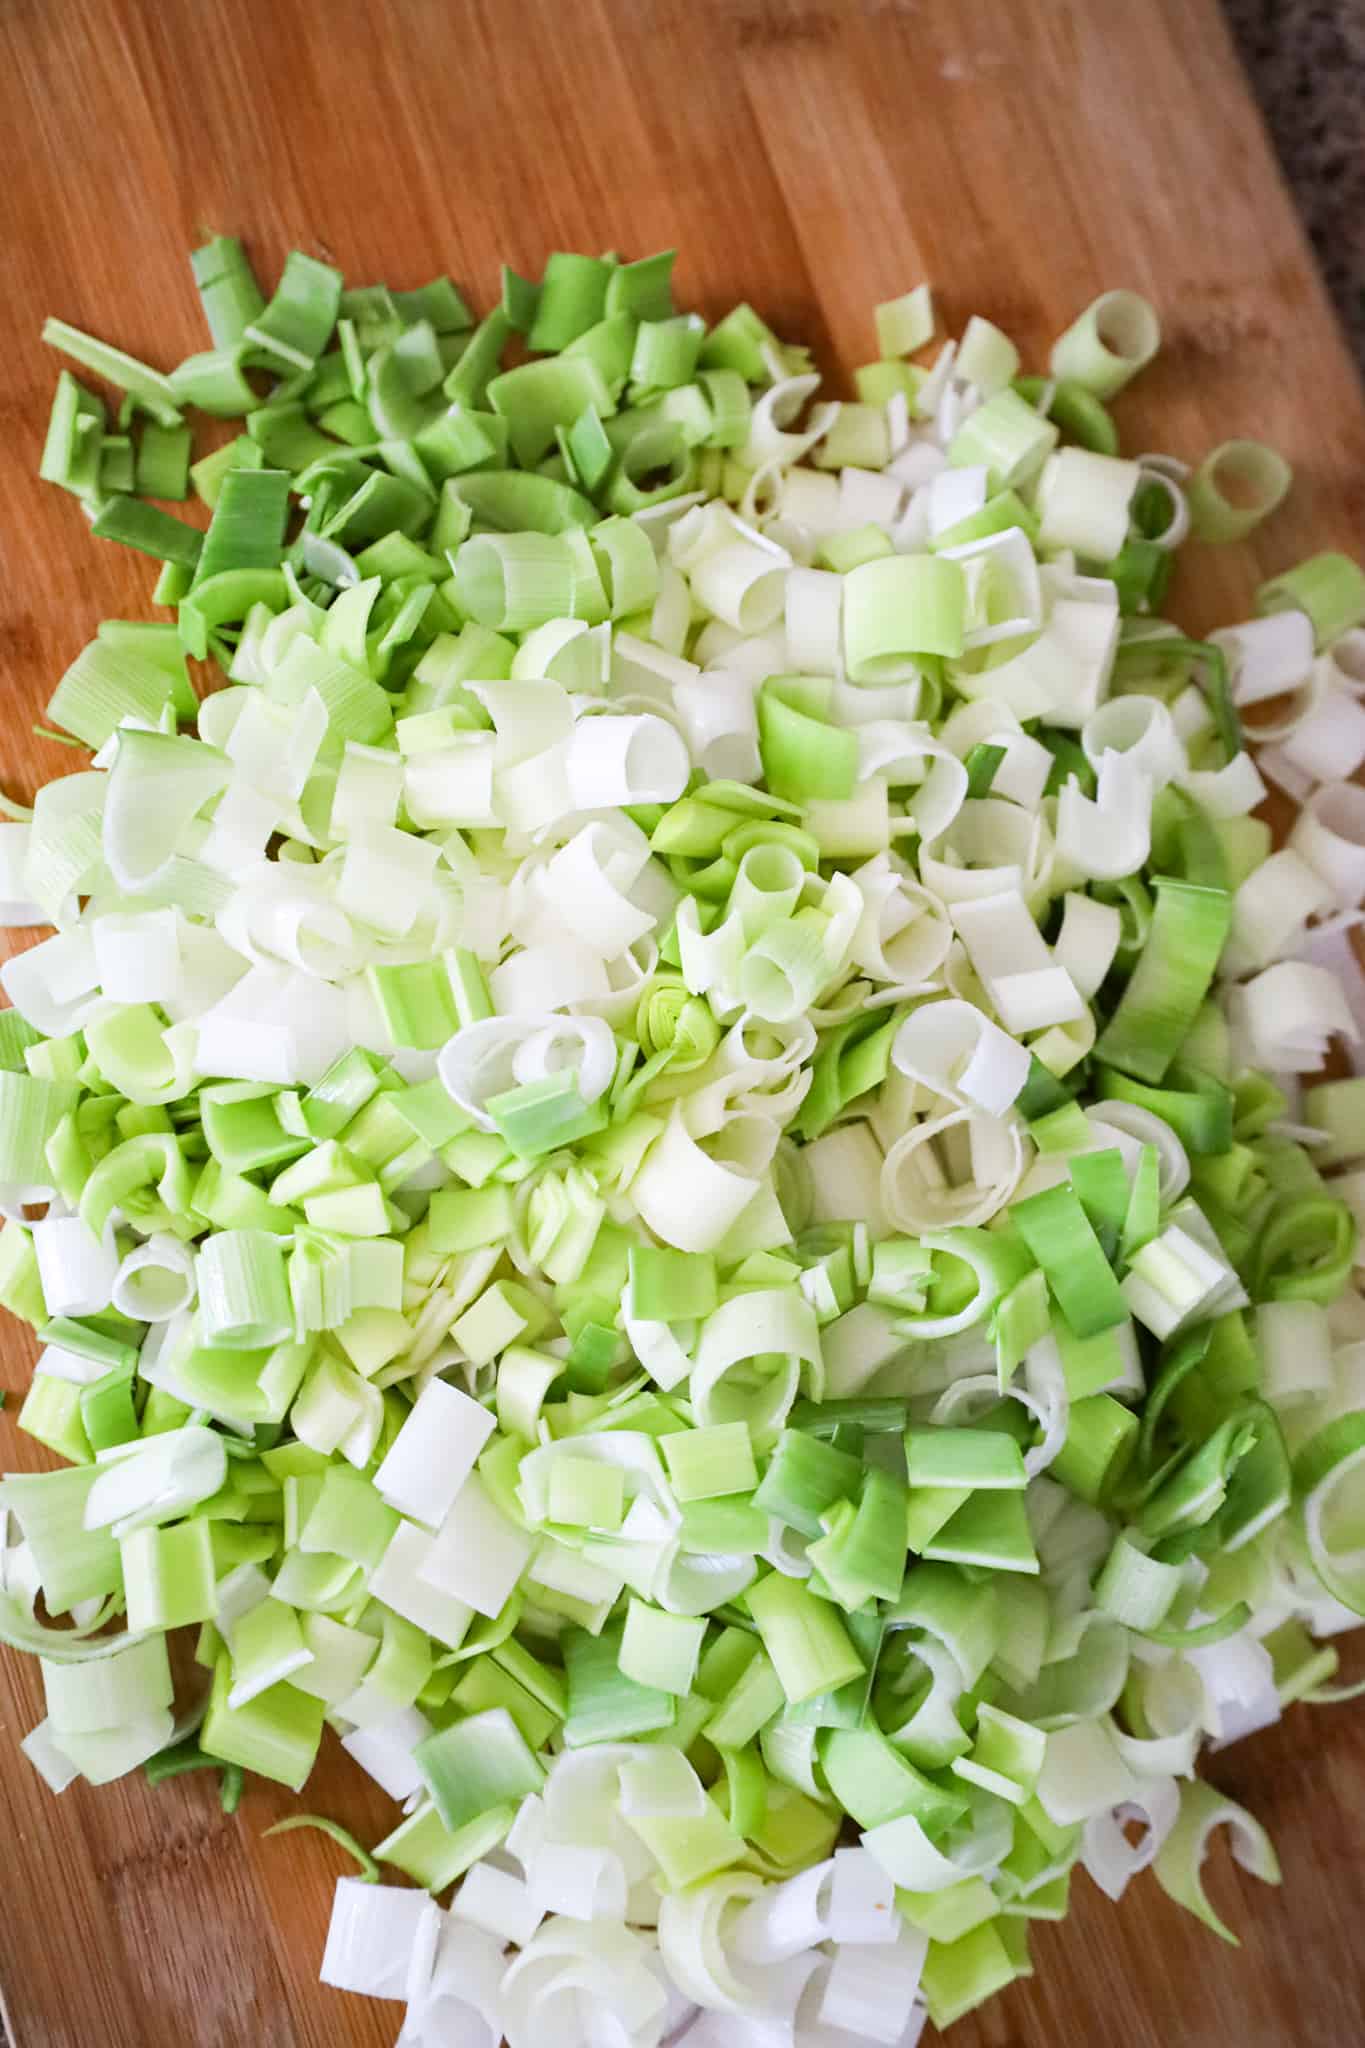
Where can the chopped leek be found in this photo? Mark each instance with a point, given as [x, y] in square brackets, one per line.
[639, 1160]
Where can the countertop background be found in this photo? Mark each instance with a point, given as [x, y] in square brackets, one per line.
[1306, 60]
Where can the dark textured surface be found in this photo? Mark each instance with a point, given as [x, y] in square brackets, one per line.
[1306, 60]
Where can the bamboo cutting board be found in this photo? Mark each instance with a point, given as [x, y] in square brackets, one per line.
[1022, 154]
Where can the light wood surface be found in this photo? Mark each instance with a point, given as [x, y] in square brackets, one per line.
[814, 158]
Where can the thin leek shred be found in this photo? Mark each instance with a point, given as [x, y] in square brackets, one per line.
[638, 1160]
[344, 1839]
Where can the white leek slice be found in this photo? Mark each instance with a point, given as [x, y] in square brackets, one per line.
[51, 1762]
[1111, 1859]
[156, 787]
[867, 497]
[1266, 657]
[1175, 1280]
[479, 1554]
[743, 583]
[371, 1937]
[769, 438]
[624, 761]
[580, 1881]
[137, 956]
[384, 1751]
[65, 844]
[845, 1169]
[1088, 941]
[687, 1198]
[954, 494]
[773, 1322]
[862, 1907]
[870, 1990]
[1004, 593]
[548, 976]
[720, 720]
[1110, 836]
[856, 1346]
[1290, 1012]
[15, 908]
[499, 1053]
[280, 1027]
[1083, 1774]
[1023, 774]
[693, 1946]
[905, 1852]
[55, 985]
[1328, 743]
[991, 848]
[1009, 953]
[434, 1453]
[1140, 728]
[953, 1049]
[1240, 1694]
[397, 1581]
[77, 1269]
[276, 752]
[458, 2000]
[280, 917]
[1083, 502]
[903, 935]
[528, 717]
[243, 820]
[452, 785]
[805, 498]
[1329, 833]
[133, 1681]
[916, 1192]
[385, 878]
[1144, 1128]
[786, 1919]
[1271, 909]
[1062, 675]
[571, 1969]
[109, 1753]
[1227, 792]
[156, 1480]
[585, 886]
[814, 620]
[909, 753]
[498, 1902]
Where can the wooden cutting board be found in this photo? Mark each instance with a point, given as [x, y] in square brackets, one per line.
[1022, 154]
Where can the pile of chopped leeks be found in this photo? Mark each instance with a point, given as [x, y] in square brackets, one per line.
[662, 1163]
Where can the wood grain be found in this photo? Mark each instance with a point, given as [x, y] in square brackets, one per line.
[814, 158]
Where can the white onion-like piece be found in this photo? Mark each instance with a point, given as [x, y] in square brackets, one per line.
[917, 1199]
[1109, 1857]
[156, 1280]
[952, 1048]
[1140, 728]
[611, 760]
[1267, 657]
[77, 1269]
[571, 1977]
[1330, 835]
[498, 1053]
[1147, 1129]
[370, 1941]
[686, 1197]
